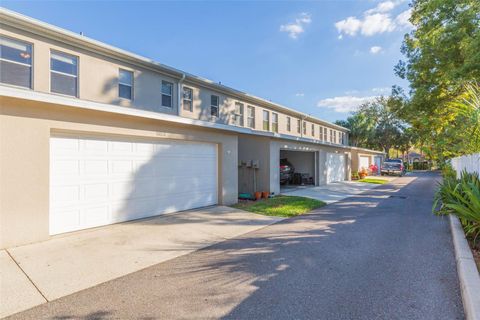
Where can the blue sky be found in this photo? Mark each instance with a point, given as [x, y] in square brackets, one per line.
[319, 57]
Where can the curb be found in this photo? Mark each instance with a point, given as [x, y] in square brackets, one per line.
[467, 271]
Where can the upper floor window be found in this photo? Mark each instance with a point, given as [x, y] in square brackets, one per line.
[187, 99]
[125, 84]
[304, 128]
[63, 73]
[15, 62]
[238, 116]
[325, 134]
[313, 130]
[250, 117]
[321, 133]
[299, 126]
[167, 92]
[214, 102]
[266, 120]
[335, 136]
[331, 136]
[275, 122]
[289, 125]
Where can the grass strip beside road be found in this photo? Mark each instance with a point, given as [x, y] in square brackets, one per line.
[373, 180]
[280, 206]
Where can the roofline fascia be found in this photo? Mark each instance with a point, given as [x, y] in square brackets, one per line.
[44, 29]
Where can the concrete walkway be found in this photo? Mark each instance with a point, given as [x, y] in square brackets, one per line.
[334, 191]
[378, 255]
[73, 262]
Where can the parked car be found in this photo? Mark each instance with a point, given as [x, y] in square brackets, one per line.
[393, 166]
[286, 171]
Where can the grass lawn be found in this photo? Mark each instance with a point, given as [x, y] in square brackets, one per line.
[373, 180]
[280, 206]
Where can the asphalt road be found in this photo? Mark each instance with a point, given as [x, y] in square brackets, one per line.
[379, 255]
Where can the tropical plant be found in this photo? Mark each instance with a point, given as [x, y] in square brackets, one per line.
[460, 197]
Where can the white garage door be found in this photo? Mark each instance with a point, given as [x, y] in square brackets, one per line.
[364, 163]
[99, 181]
[335, 167]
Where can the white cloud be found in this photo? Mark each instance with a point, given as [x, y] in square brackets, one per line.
[300, 94]
[374, 21]
[385, 6]
[295, 28]
[375, 49]
[403, 18]
[344, 104]
[349, 26]
[377, 23]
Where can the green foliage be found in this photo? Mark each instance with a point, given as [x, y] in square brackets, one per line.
[376, 126]
[281, 206]
[460, 197]
[442, 54]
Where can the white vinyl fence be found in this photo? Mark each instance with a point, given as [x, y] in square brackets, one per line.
[470, 163]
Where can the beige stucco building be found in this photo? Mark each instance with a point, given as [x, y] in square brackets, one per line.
[92, 135]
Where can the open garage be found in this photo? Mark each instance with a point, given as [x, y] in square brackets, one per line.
[298, 168]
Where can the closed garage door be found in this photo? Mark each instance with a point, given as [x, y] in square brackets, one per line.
[335, 167]
[99, 181]
[364, 162]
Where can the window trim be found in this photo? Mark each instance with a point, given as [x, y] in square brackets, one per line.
[289, 124]
[313, 130]
[241, 114]
[164, 94]
[217, 106]
[62, 73]
[304, 128]
[32, 69]
[266, 112]
[299, 126]
[249, 107]
[274, 129]
[130, 85]
[183, 99]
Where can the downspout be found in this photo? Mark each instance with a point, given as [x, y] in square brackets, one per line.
[179, 93]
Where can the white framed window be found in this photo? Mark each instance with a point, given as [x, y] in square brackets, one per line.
[266, 120]
[321, 133]
[251, 117]
[15, 62]
[335, 136]
[299, 125]
[275, 122]
[289, 125]
[304, 128]
[238, 116]
[214, 103]
[167, 93]
[125, 84]
[325, 134]
[313, 130]
[187, 99]
[63, 73]
[331, 135]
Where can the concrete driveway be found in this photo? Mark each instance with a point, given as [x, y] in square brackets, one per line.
[377, 255]
[332, 192]
[44, 271]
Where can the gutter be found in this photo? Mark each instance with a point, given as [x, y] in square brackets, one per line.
[179, 93]
[31, 25]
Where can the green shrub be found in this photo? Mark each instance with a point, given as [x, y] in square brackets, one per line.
[460, 197]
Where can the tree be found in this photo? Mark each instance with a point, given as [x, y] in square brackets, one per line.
[361, 130]
[442, 54]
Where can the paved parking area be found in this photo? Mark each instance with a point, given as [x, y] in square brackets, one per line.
[332, 192]
[66, 264]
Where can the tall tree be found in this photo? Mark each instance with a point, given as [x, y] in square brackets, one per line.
[442, 54]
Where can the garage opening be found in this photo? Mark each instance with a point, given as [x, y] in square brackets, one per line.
[96, 181]
[297, 168]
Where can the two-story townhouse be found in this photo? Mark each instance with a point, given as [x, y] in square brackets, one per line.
[92, 135]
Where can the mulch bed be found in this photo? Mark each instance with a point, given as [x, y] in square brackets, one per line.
[476, 253]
